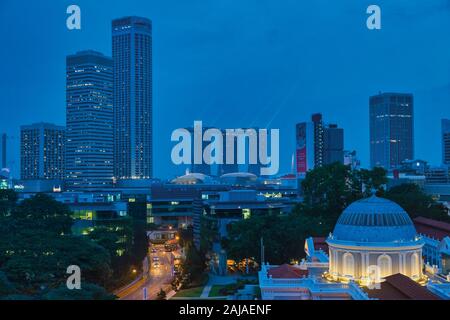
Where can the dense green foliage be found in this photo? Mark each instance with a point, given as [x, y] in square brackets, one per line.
[417, 203]
[37, 244]
[36, 247]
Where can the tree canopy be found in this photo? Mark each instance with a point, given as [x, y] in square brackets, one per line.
[37, 246]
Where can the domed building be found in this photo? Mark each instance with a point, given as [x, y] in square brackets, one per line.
[193, 178]
[373, 239]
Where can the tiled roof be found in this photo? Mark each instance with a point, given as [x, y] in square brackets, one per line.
[432, 228]
[287, 271]
[400, 287]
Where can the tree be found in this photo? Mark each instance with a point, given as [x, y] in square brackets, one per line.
[8, 199]
[331, 187]
[186, 236]
[36, 247]
[416, 202]
[161, 295]
[194, 264]
[373, 179]
[44, 212]
[284, 236]
[88, 291]
[6, 287]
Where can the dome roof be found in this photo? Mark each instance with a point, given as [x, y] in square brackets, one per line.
[192, 178]
[374, 220]
[246, 175]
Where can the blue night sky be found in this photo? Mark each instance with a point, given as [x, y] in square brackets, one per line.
[241, 63]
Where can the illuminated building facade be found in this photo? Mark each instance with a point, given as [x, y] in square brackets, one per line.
[42, 151]
[89, 146]
[133, 137]
[373, 239]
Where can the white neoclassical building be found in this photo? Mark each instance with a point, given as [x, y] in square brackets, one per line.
[374, 238]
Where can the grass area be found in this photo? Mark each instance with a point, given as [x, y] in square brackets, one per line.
[190, 293]
[215, 291]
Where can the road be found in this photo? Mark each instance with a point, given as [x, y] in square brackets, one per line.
[159, 277]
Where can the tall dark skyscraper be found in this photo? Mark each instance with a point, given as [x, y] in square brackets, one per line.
[42, 151]
[333, 144]
[89, 95]
[133, 137]
[391, 129]
[445, 135]
[318, 139]
[4, 164]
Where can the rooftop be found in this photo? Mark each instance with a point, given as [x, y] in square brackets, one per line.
[432, 228]
[287, 271]
[374, 219]
[400, 287]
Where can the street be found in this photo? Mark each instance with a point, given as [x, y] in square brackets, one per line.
[160, 276]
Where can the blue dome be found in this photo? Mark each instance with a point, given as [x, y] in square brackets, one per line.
[374, 220]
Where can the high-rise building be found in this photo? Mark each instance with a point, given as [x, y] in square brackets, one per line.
[133, 137]
[445, 129]
[333, 144]
[89, 98]
[42, 151]
[305, 151]
[231, 166]
[391, 129]
[318, 139]
[318, 144]
[4, 139]
[203, 167]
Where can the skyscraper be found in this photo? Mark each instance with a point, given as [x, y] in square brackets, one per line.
[445, 129]
[203, 167]
[333, 144]
[318, 139]
[305, 151]
[133, 138]
[89, 98]
[4, 164]
[226, 167]
[42, 151]
[391, 129]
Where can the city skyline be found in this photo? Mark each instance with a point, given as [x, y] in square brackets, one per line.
[225, 151]
[283, 105]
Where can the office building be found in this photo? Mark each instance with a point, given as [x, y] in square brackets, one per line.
[333, 144]
[42, 151]
[4, 139]
[304, 153]
[318, 144]
[445, 136]
[318, 139]
[89, 146]
[391, 129]
[231, 166]
[132, 60]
